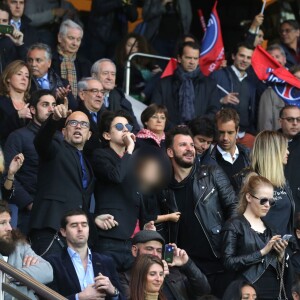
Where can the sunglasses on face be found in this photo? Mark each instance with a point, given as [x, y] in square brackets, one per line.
[263, 201]
[120, 127]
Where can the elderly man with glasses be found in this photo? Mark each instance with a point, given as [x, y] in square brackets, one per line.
[65, 178]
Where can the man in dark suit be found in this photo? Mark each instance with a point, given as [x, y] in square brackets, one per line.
[78, 272]
[65, 178]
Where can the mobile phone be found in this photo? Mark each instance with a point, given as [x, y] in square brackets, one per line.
[6, 29]
[169, 253]
[286, 237]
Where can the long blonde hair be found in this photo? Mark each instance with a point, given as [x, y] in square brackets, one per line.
[267, 156]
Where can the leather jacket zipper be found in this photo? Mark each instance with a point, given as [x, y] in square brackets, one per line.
[213, 189]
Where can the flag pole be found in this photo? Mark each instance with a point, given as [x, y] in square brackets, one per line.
[262, 12]
[222, 89]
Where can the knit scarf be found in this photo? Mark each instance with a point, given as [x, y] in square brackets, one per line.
[68, 70]
[186, 93]
[148, 134]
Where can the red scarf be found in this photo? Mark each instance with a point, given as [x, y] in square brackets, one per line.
[147, 134]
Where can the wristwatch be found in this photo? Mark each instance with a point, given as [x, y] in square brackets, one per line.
[116, 292]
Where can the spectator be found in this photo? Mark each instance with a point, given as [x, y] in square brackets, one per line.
[65, 178]
[18, 253]
[229, 155]
[251, 247]
[147, 278]
[66, 61]
[290, 127]
[295, 258]
[107, 25]
[78, 272]
[105, 71]
[91, 94]
[241, 92]
[39, 58]
[198, 231]
[289, 35]
[187, 93]
[11, 45]
[21, 140]
[116, 191]
[255, 35]
[204, 135]
[296, 290]
[268, 158]
[14, 95]
[143, 73]
[240, 290]
[183, 279]
[154, 119]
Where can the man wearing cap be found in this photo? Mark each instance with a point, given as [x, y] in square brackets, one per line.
[183, 279]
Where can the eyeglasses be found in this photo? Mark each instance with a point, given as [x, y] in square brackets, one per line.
[155, 117]
[263, 201]
[289, 30]
[95, 91]
[120, 127]
[291, 119]
[74, 123]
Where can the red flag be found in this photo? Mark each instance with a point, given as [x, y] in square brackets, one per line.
[212, 48]
[170, 68]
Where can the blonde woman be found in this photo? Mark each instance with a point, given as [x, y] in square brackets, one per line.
[268, 158]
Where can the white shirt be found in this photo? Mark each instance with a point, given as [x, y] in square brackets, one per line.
[227, 156]
[238, 73]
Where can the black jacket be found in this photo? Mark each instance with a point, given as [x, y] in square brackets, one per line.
[214, 200]
[183, 283]
[30, 33]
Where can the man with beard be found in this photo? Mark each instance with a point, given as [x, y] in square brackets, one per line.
[41, 105]
[17, 252]
[206, 199]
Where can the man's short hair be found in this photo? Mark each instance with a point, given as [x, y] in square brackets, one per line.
[285, 108]
[83, 83]
[37, 95]
[193, 45]
[276, 47]
[145, 236]
[95, 66]
[228, 114]
[242, 45]
[292, 23]
[66, 25]
[181, 129]
[71, 213]
[41, 46]
[203, 126]
[4, 207]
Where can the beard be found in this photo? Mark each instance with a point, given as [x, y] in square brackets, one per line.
[184, 164]
[7, 246]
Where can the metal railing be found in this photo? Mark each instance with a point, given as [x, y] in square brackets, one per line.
[128, 64]
[26, 280]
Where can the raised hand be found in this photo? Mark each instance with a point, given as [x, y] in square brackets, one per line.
[61, 111]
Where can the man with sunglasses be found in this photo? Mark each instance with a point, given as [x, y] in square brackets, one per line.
[65, 178]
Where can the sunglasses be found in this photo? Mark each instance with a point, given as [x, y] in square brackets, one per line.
[120, 127]
[263, 201]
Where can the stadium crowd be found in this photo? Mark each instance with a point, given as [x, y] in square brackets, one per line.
[196, 197]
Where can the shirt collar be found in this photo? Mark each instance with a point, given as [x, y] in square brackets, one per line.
[238, 73]
[73, 253]
[227, 156]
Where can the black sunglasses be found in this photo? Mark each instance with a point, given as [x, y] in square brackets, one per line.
[120, 127]
[263, 201]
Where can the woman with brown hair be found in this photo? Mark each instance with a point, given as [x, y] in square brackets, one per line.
[14, 94]
[147, 278]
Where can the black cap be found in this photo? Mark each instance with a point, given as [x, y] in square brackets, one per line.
[145, 236]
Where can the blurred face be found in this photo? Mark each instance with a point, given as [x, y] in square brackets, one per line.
[107, 75]
[155, 278]
[151, 247]
[182, 152]
[77, 135]
[227, 136]
[263, 191]
[70, 42]
[38, 62]
[16, 7]
[157, 123]
[131, 46]
[44, 109]
[248, 293]
[150, 173]
[189, 59]
[93, 95]
[290, 122]
[259, 39]
[77, 231]
[276, 53]
[242, 59]
[288, 34]
[19, 81]
[202, 143]
[4, 17]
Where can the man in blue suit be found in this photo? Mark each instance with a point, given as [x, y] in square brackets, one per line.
[80, 274]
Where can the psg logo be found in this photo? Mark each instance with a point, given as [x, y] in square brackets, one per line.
[288, 94]
[211, 35]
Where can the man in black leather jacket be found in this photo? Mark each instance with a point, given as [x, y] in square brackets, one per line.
[206, 199]
[183, 281]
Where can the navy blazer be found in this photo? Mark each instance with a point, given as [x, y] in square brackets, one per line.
[65, 278]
